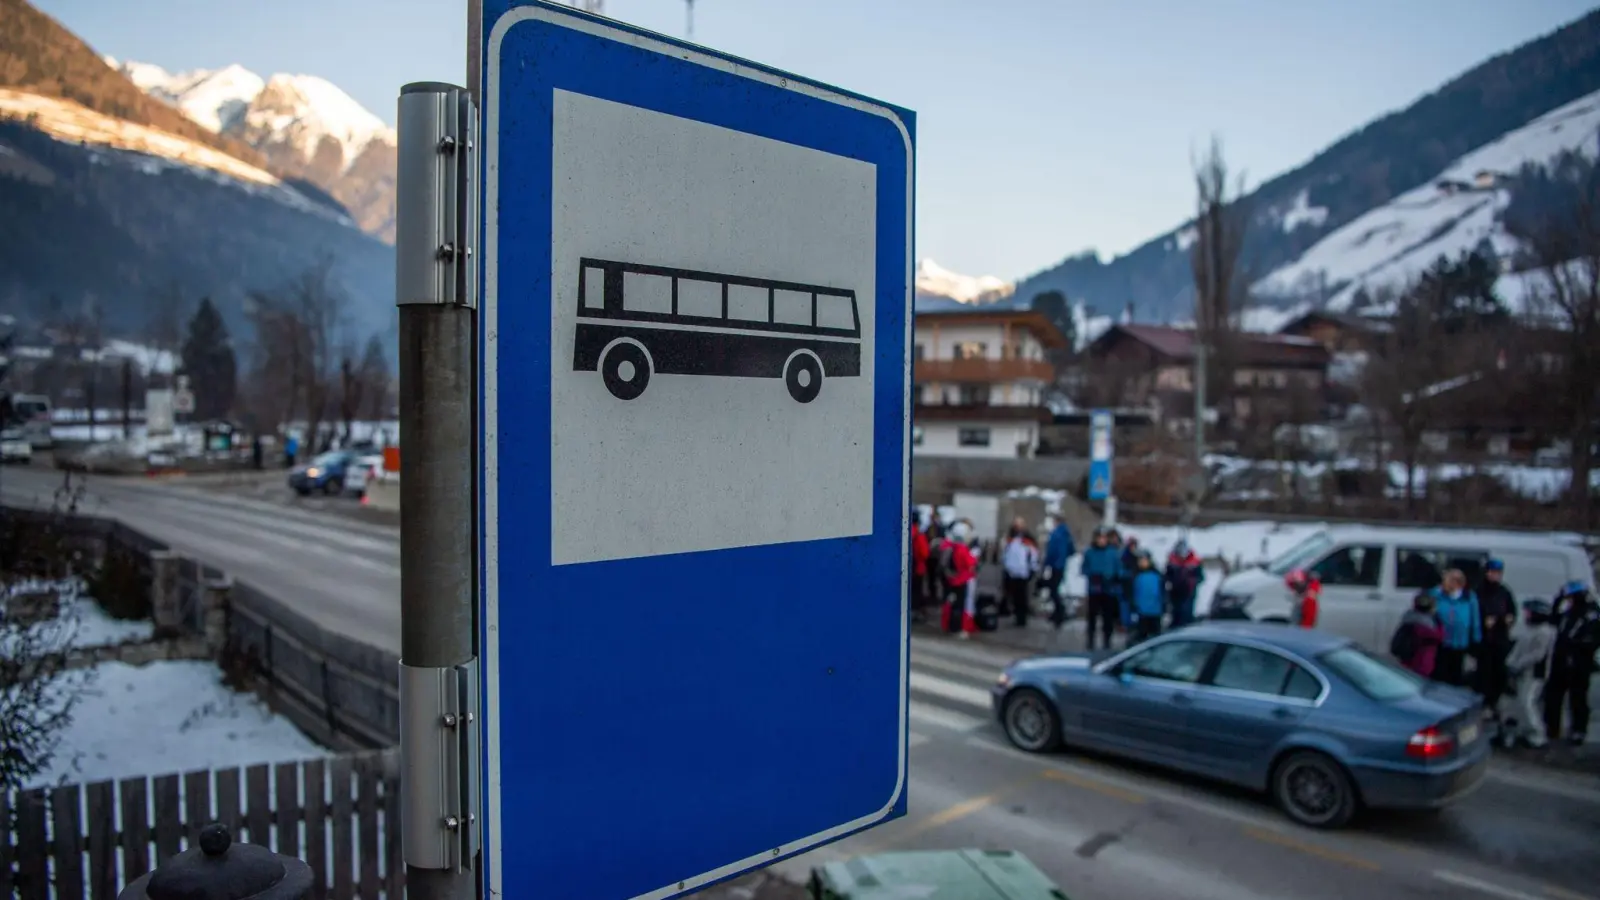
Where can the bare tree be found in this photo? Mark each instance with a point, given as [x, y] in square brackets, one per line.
[1220, 290]
[318, 305]
[1567, 302]
[163, 329]
[39, 689]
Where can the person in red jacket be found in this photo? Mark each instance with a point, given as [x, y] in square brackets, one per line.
[962, 577]
[1307, 590]
[919, 570]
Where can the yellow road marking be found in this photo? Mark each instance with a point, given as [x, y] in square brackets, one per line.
[1563, 893]
[1310, 849]
[1091, 784]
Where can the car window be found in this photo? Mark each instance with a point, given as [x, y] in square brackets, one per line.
[1419, 569]
[1359, 566]
[1250, 669]
[1377, 678]
[1171, 661]
[1302, 685]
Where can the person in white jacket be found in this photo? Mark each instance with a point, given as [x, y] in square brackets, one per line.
[1529, 665]
[1020, 560]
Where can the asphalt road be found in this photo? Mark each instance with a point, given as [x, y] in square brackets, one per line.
[1104, 830]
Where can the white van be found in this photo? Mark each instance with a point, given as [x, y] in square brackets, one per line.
[1370, 573]
[31, 413]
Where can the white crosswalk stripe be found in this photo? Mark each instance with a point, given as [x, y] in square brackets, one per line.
[926, 714]
[925, 683]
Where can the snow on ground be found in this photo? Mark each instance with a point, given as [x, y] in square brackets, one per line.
[1395, 243]
[1301, 212]
[87, 623]
[169, 716]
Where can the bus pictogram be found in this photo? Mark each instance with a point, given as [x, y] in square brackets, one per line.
[637, 321]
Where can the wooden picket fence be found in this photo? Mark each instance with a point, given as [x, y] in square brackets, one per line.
[88, 841]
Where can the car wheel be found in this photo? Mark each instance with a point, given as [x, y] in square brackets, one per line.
[1313, 789]
[333, 487]
[1031, 722]
[304, 492]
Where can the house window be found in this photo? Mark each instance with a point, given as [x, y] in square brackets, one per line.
[971, 350]
[1500, 445]
[974, 395]
[916, 437]
[919, 352]
[973, 437]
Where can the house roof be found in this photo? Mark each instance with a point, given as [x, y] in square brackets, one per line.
[1343, 320]
[1177, 344]
[994, 314]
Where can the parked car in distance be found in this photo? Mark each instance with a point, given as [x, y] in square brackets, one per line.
[14, 446]
[324, 474]
[1323, 726]
[1370, 573]
[31, 414]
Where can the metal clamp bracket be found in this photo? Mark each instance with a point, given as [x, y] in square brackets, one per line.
[439, 777]
[436, 181]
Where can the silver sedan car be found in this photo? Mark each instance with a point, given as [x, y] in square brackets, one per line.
[1324, 727]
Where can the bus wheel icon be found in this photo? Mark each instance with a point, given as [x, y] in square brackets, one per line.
[803, 376]
[626, 370]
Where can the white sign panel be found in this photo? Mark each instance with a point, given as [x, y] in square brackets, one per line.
[726, 396]
[158, 418]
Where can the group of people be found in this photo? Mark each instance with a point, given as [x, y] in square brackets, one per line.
[1128, 593]
[1532, 682]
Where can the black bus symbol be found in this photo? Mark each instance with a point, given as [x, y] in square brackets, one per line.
[636, 321]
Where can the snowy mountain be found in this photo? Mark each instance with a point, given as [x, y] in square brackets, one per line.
[1389, 170]
[114, 203]
[934, 280]
[302, 124]
[1456, 212]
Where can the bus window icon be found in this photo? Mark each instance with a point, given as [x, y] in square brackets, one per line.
[636, 321]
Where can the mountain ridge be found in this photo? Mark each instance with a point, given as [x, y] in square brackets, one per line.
[1394, 153]
[304, 125]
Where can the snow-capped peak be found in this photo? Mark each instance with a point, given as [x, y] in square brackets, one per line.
[932, 278]
[300, 111]
[214, 98]
[305, 109]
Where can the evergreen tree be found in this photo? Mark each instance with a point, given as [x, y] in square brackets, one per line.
[1053, 305]
[209, 361]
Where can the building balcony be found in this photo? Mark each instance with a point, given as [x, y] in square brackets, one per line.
[979, 412]
[957, 371]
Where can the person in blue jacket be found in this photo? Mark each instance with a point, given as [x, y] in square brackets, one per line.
[1058, 550]
[1101, 567]
[1147, 598]
[1457, 609]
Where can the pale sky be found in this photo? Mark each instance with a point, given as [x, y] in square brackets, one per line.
[1044, 126]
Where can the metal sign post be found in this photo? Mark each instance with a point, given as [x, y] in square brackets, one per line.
[436, 289]
[696, 371]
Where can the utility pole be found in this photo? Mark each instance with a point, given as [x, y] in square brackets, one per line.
[690, 11]
[436, 289]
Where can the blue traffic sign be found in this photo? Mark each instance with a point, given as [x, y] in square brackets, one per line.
[696, 374]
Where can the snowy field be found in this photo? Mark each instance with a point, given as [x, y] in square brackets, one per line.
[165, 717]
[169, 716]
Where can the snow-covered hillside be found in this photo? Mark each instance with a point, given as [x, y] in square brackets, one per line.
[1456, 212]
[149, 150]
[934, 280]
[300, 112]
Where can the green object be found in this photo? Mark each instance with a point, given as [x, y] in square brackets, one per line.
[934, 875]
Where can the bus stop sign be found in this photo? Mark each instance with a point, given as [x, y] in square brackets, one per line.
[696, 314]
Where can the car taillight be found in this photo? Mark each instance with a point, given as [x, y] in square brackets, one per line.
[1430, 743]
